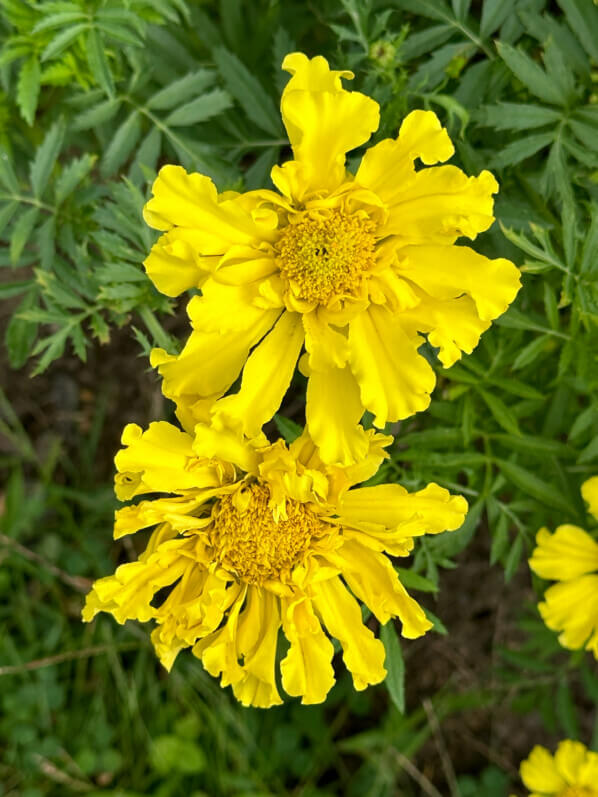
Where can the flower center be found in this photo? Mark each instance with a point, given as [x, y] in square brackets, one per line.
[251, 543]
[326, 256]
[578, 791]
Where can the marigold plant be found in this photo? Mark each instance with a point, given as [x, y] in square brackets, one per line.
[570, 556]
[356, 267]
[254, 536]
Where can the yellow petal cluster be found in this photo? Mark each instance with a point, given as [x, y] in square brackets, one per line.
[570, 557]
[342, 275]
[571, 772]
[250, 538]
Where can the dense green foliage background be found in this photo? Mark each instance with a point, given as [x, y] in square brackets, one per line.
[94, 97]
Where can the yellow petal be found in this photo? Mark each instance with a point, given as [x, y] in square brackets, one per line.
[428, 511]
[225, 308]
[333, 411]
[568, 553]
[441, 204]
[323, 120]
[539, 773]
[191, 200]
[569, 758]
[363, 654]
[447, 272]
[373, 580]
[226, 445]
[589, 491]
[327, 347]
[588, 772]
[174, 264]
[394, 380]
[452, 325]
[210, 361]
[307, 668]
[174, 511]
[571, 607]
[266, 378]
[387, 167]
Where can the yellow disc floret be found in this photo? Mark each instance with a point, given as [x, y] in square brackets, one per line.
[248, 541]
[579, 791]
[326, 255]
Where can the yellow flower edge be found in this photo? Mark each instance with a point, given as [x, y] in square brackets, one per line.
[356, 268]
[570, 557]
[571, 772]
[251, 537]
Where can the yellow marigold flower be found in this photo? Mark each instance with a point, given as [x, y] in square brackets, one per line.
[253, 536]
[571, 772]
[354, 267]
[570, 556]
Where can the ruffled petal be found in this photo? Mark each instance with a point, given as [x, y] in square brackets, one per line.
[568, 553]
[323, 121]
[225, 308]
[226, 445]
[363, 654]
[387, 168]
[441, 204]
[307, 668]
[373, 580]
[210, 361]
[333, 411]
[589, 491]
[569, 758]
[588, 772]
[175, 264]
[539, 773]
[394, 380]
[266, 378]
[447, 272]
[571, 607]
[326, 346]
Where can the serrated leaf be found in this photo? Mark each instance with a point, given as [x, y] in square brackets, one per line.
[521, 149]
[147, 155]
[60, 43]
[122, 144]
[200, 109]
[8, 177]
[28, 88]
[21, 233]
[535, 487]
[461, 8]
[425, 41]
[494, 13]
[501, 413]
[518, 116]
[52, 348]
[121, 34]
[513, 558]
[500, 539]
[6, 214]
[434, 9]
[21, 334]
[531, 352]
[98, 63]
[180, 90]
[60, 19]
[8, 289]
[97, 115]
[583, 18]
[71, 176]
[589, 253]
[248, 91]
[45, 158]
[395, 665]
[531, 74]
[590, 452]
[558, 71]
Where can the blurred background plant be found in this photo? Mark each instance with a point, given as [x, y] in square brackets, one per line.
[95, 96]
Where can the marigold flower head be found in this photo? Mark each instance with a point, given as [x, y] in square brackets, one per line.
[571, 772]
[353, 267]
[570, 556]
[253, 537]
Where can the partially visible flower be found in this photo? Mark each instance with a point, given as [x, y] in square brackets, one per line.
[355, 267]
[571, 772]
[570, 556]
[253, 536]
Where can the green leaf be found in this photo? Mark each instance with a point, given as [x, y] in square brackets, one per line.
[532, 485]
[200, 109]
[72, 175]
[411, 580]
[461, 8]
[531, 74]
[494, 13]
[122, 144]
[395, 665]
[425, 41]
[60, 19]
[582, 15]
[121, 34]
[61, 42]
[180, 90]
[517, 116]
[513, 558]
[28, 88]
[289, 430]
[21, 334]
[147, 155]
[531, 352]
[8, 178]
[8, 289]
[500, 539]
[52, 348]
[98, 63]
[521, 149]
[434, 9]
[97, 115]
[45, 158]
[6, 214]
[565, 710]
[589, 253]
[248, 91]
[501, 413]
[21, 233]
